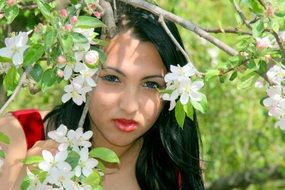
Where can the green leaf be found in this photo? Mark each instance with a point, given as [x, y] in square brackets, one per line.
[179, 114]
[33, 54]
[26, 183]
[233, 76]
[247, 79]
[262, 67]
[188, 109]
[48, 79]
[4, 138]
[32, 160]
[45, 9]
[37, 72]
[73, 159]
[89, 22]
[11, 12]
[94, 179]
[90, 1]
[255, 6]
[2, 154]
[104, 154]
[67, 43]
[79, 38]
[11, 80]
[275, 25]
[202, 105]
[5, 59]
[257, 28]
[50, 37]
[211, 74]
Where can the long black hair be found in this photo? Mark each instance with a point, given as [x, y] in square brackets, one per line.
[170, 155]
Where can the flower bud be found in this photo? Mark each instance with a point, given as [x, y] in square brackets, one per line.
[63, 13]
[11, 2]
[91, 58]
[68, 27]
[60, 73]
[269, 10]
[73, 20]
[268, 58]
[262, 43]
[97, 14]
[61, 59]
[1, 15]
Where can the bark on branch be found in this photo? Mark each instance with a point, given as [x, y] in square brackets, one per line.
[184, 23]
[246, 178]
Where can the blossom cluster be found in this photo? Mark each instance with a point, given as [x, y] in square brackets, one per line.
[275, 102]
[180, 85]
[59, 170]
[78, 67]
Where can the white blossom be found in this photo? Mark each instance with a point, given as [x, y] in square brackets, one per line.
[59, 135]
[189, 90]
[56, 162]
[15, 48]
[87, 33]
[276, 74]
[35, 183]
[86, 164]
[281, 123]
[61, 178]
[4, 67]
[179, 83]
[76, 91]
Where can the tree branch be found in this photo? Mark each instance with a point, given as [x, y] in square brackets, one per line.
[184, 23]
[239, 11]
[16, 91]
[108, 18]
[229, 30]
[245, 178]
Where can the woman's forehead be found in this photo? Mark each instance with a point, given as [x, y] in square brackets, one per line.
[124, 50]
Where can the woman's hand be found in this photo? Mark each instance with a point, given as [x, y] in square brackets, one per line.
[36, 150]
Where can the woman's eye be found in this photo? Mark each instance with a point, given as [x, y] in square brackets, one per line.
[152, 85]
[110, 78]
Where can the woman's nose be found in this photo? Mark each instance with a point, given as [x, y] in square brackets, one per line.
[129, 101]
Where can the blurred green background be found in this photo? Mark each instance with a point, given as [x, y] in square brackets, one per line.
[238, 136]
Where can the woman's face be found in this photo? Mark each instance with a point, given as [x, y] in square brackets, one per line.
[125, 103]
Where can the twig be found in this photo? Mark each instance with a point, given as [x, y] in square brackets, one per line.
[84, 112]
[279, 42]
[239, 11]
[163, 24]
[108, 18]
[233, 31]
[184, 23]
[16, 91]
[33, 6]
[262, 3]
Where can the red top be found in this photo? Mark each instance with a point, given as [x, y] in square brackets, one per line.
[32, 124]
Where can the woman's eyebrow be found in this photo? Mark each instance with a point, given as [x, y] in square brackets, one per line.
[114, 69]
[153, 76]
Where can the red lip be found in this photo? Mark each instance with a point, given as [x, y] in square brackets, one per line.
[125, 125]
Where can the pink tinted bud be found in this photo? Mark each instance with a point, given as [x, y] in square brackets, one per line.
[63, 13]
[1, 15]
[269, 10]
[11, 2]
[68, 27]
[73, 20]
[97, 14]
[91, 57]
[60, 73]
[262, 43]
[61, 59]
[268, 58]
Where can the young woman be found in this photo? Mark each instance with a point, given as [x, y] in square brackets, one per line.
[127, 115]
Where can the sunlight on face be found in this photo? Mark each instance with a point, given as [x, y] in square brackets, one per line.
[125, 103]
